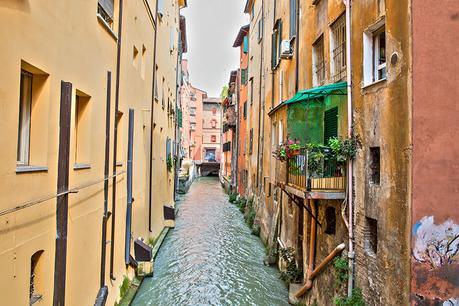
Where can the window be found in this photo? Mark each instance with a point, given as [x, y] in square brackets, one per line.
[338, 49]
[374, 54]
[135, 55]
[276, 44]
[246, 44]
[293, 18]
[36, 271]
[251, 141]
[281, 133]
[245, 110]
[105, 9]
[213, 138]
[213, 123]
[260, 29]
[330, 124]
[315, 2]
[163, 98]
[318, 63]
[160, 8]
[119, 143]
[330, 219]
[375, 165]
[193, 126]
[82, 129]
[142, 63]
[227, 146]
[251, 90]
[33, 108]
[214, 111]
[25, 115]
[244, 75]
[371, 236]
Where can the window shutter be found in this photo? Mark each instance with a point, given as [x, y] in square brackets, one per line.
[279, 30]
[246, 44]
[274, 50]
[292, 18]
[330, 124]
[107, 5]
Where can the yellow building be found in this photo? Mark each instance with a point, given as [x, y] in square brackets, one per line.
[104, 51]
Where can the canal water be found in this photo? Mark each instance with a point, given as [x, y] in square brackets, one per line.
[211, 258]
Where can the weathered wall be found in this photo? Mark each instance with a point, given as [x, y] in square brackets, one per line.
[382, 119]
[435, 171]
[242, 132]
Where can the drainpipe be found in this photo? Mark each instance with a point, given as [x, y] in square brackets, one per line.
[103, 246]
[127, 241]
[115, 137]
[350, 187]
[238, 113]
[297, 42]
[152, 119]
[261, 115]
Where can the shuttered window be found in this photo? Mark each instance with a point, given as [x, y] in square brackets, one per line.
[276, 44]
[245, 110]
[330, 124]
[244, 76]
[251, 141]
[246, 44]
[107, 6]
[293, 14]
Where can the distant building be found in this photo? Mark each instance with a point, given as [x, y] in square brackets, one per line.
[211, 130]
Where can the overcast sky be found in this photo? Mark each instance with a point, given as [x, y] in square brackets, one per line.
[212, 27]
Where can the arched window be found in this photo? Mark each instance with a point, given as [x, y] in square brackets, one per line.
[36, 277]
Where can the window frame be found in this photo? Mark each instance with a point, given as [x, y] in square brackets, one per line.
[23, 145]
[370, 55]
[338, 50]
[318, 63]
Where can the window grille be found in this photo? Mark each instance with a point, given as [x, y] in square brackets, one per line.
[319, 61]
[339, 49]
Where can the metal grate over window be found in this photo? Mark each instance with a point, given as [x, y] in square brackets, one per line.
[339, 49]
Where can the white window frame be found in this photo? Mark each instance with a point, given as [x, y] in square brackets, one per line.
[371, 65]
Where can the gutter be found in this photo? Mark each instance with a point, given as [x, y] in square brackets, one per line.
[150, 196]
[297, 43]
[115, 139]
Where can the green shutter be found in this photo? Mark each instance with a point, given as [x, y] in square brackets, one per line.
[243, 76]
[330, 124]
[246, 44]
[274, 50]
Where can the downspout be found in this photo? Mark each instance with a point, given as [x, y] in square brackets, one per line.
[350, 187]
[297, 43]
[106, 181]
[127, 241]
[261, 110]
[237, 129]
[152, 119]
[115, 137]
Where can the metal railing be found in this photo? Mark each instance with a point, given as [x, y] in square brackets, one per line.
[315, 169]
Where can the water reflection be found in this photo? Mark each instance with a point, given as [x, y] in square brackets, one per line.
[210, 258]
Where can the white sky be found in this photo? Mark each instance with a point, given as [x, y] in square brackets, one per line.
[212, 27]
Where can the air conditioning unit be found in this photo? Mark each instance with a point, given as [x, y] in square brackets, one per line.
[286, 50]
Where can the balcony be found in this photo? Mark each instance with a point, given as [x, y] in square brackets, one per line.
[315, 174]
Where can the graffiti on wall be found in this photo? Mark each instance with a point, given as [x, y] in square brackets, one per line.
[436, 262]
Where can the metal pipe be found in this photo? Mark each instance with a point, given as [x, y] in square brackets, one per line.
[319, 269]
[127, 249]
[115, 135]
[103, 246]
[297, 43]
[152, 119]
[62, 202]
[261, 115]
[312, 251]
[350, 174]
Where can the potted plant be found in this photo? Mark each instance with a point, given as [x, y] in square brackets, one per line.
[287, 150]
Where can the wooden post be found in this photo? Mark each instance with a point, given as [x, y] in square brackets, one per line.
[62, 189]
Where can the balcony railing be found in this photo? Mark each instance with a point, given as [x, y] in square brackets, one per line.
[315, 170]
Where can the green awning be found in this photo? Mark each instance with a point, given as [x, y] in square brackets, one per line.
[319, 92]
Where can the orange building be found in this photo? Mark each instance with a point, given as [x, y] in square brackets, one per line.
[242, 42]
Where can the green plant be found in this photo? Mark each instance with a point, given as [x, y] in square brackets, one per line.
[152, 241]
[343, 149]
[170, 163]
[241, 204]
[292, 273]
[341, 270]
[316, 158]
[287, 150]
[356, 299]
[256, 230]
[250, 217]
[124, 288]
[232, 197]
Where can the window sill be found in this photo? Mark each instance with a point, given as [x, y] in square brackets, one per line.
[119, 164]
[374, 83]
[31, 169]
[81, 166]
[107, 27]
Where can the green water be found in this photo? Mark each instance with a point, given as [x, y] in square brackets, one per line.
[210, 258]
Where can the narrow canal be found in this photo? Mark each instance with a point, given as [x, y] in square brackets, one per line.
[211, 258]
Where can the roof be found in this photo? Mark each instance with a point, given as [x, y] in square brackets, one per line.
[233, 76]
[240, 36]
[247, 6]
[212, 100]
